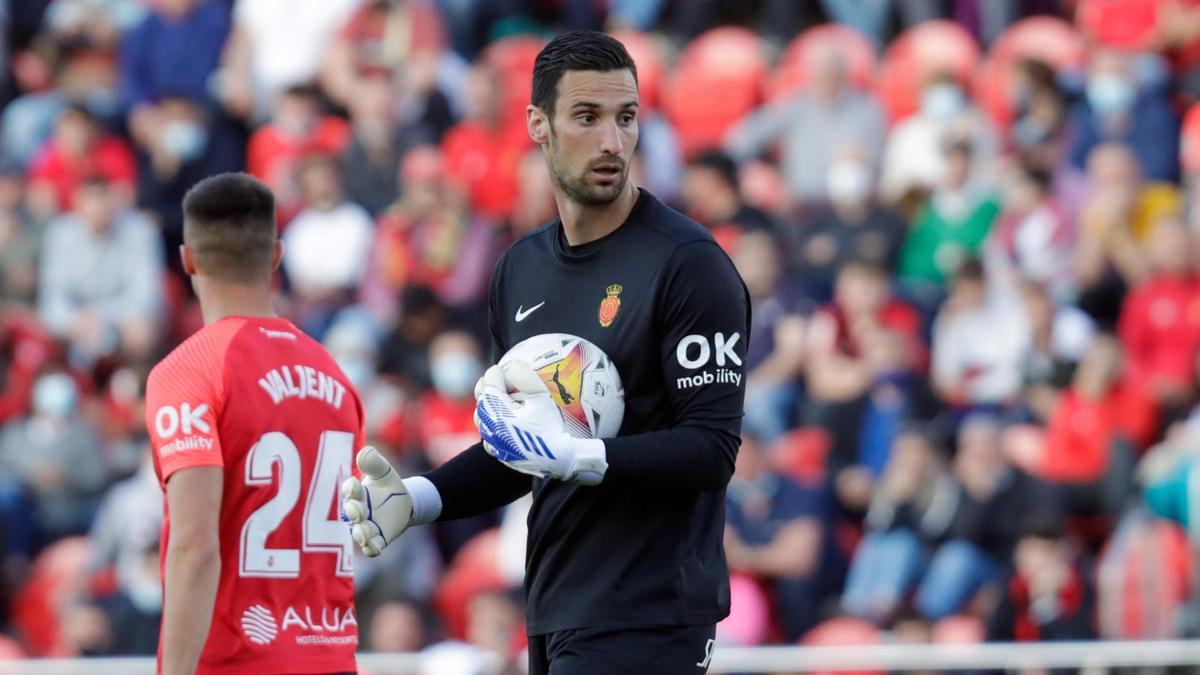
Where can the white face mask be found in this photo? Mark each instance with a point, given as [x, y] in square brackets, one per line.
[1110, 94]
[454, 375]
[54, 395]
[942, 101]
[848, 182]
[184, 139]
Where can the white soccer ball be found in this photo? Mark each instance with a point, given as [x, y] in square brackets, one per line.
[582, 380]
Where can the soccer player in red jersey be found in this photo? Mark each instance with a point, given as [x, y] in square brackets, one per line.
[253, 427]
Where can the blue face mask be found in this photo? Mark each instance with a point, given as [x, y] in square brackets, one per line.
[185, 140]
[1110, 94]
[454, 375]
[54, 395]
[942, 101]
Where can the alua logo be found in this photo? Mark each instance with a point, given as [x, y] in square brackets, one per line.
[610, 305]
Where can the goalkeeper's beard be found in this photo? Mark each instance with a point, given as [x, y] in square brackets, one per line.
[581, 190]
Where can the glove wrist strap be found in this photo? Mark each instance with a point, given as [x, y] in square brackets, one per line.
[590, 460]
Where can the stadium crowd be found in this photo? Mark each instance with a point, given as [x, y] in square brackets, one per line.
[970, 231]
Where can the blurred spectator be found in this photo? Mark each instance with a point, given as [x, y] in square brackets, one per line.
[780, 532]
[298, 128]
[19, 242]
[404, 354]
[1039, 132]
[775, 352]
[907, 513]
[431, 237]
[377, 142]
[327, 244]
[395, 626]
[813, 126]
[978, 343]
[1033, 234]
[950, 228]
[1160, 321]
[841, 371]
[83, 75]
[1049, 597]
[1119, 212]
[712, 197]
[853, 226]
[100, 278]
[78, 150]
[261, 59]
[483, 150]
[401, 41]
[977, 545]
[1059, 335]
[914, 157]
[1116, 107]
[1101, 423]
[535, 199]
[55, 456]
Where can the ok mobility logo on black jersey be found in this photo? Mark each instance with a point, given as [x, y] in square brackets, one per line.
[696, 351]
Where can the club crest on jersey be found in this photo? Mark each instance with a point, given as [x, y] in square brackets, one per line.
[610, 305]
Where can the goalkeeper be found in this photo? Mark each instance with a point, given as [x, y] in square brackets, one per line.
[625, 568]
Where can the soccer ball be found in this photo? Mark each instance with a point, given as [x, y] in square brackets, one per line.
[582, 380]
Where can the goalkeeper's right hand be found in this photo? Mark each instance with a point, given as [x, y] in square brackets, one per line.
[378, 508]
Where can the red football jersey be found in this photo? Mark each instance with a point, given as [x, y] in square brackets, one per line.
[269, 405]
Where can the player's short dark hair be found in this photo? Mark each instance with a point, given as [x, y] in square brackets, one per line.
[229, 226]
[576, 50]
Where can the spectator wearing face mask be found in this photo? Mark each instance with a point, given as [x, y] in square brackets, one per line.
[913, 161]
[813, 125]
[77, 150]
[444, 422]
[57, 457]
[851, 226]
[1117, 108]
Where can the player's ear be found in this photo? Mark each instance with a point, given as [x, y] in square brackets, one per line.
[186, 259]
[537, 124]
[278, 255]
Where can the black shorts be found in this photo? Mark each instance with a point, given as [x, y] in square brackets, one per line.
[663, 650]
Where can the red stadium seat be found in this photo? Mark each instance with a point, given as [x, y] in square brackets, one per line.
[1189, 146]
[1044, 38]
[513, 59]
[1145, 577]
[801, 454]
[921, 51]
[719, 78]
[857, 50]
[843, 632]
[649, 66]
[1124, 24]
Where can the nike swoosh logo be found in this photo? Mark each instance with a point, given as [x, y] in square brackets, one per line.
[522, 312]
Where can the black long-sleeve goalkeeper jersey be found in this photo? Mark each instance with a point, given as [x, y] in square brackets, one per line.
[644, 547]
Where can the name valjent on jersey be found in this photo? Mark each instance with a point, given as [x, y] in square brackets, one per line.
[302, 382]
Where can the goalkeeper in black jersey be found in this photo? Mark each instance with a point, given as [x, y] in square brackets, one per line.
[626, 571]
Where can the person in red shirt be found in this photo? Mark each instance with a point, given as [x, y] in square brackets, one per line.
[1100, 421]
[1160, 321]
[485, 149]
[297, 129]
[79, 150]
[253, 427]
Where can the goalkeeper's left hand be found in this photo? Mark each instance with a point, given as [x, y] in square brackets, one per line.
[529, 435]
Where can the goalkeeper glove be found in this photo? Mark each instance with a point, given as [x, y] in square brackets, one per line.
[378, 508]
[526, 431]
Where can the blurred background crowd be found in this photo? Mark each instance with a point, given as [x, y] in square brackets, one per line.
[970, 230]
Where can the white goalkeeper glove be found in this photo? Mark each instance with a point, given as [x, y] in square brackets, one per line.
[378, 508]
[528, 433]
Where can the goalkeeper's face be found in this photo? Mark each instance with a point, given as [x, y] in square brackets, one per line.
[590, 140]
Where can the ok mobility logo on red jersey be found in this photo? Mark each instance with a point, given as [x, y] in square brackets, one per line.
[170, 420]
[696, 351]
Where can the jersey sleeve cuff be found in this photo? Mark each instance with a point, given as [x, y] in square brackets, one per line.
[426, 500]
